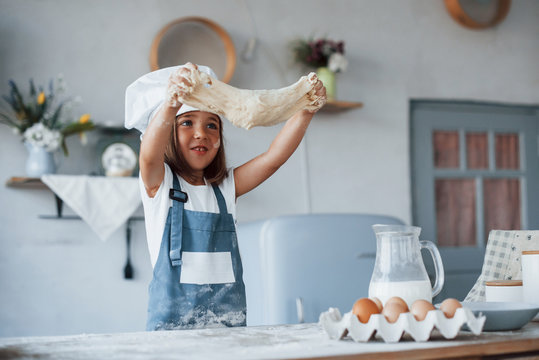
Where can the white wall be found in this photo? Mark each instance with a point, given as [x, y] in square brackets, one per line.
[56, 277]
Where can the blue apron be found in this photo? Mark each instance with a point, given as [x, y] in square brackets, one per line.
[182, 302]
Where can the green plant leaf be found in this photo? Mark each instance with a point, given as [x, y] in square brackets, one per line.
[31, 112]
[77, 127]
[54, 118]
[10, 100]
[17, 97]
[40, 111]
[8, 120]
[32, 88]
[23, 112]
[64, 147]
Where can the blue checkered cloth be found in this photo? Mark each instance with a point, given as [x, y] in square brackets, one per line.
[502, 258]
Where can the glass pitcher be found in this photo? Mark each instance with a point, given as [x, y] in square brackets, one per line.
[399, 269]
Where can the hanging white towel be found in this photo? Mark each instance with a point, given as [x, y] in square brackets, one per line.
[104, 203]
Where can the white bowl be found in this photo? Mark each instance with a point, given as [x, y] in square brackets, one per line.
[503, 315]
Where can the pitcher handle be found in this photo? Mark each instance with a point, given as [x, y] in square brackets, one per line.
[438, 266]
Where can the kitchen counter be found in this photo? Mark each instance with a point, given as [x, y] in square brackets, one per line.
[265, 342]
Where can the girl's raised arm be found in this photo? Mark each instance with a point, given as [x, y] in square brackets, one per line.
[152, 148]
[157, 135]
[256, 171]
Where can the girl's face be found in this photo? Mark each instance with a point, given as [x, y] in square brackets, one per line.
[198, 138]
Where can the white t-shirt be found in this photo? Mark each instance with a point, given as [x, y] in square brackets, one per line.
[200, 198]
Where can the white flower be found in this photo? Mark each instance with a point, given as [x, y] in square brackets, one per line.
[40, 135]
[337, 62]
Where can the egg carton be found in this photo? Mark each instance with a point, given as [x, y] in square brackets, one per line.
[337, 326]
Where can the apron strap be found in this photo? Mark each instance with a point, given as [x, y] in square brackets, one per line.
[220, 200]
[179, 198]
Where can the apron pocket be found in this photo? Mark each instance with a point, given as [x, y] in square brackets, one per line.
[206, 268]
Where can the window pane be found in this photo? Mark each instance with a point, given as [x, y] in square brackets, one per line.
[477, 150]
[502, 204]
[455, 212]
[446, 149]
[507, 151]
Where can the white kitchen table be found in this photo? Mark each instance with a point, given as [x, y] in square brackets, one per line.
[267, 342]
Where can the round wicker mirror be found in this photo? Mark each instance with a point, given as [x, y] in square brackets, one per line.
[195, 39]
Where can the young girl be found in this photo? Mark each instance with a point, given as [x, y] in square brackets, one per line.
[189, 199]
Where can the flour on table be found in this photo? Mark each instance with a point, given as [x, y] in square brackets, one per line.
[249, 108]
[207, 319]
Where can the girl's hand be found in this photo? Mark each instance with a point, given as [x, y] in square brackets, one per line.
[319, 91]
[177, 85]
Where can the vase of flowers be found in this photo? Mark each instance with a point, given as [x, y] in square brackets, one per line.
[324, 55]
[44, 121]
[39, 161]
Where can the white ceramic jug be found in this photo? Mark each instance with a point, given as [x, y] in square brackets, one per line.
[399, 269]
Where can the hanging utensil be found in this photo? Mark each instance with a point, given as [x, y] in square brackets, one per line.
[128, 269]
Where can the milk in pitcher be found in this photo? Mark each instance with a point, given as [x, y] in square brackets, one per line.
[409, 291]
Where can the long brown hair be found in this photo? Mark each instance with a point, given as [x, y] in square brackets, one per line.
[214, 173]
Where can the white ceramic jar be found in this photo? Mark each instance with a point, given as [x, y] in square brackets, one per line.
[503, 291]
[530, 276]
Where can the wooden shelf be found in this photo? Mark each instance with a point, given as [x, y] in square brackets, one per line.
[25, 182]
[338, 106]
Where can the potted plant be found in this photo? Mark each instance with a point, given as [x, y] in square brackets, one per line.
[324, 55]
[44, 121]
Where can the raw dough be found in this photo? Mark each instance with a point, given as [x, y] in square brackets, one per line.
[248, 108]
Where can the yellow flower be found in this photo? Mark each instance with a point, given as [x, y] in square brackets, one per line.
[84, 118]
[41, 98]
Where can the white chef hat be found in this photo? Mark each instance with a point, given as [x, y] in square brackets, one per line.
[144, 96]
